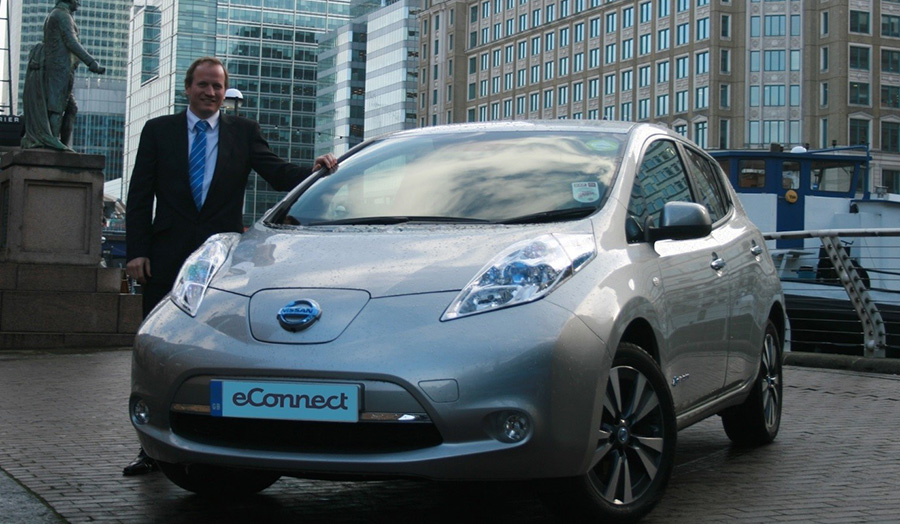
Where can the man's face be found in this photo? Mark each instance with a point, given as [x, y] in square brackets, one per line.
[207, 92]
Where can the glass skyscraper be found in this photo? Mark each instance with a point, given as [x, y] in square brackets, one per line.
[269, 48]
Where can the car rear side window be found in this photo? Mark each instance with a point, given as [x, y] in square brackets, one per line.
[708, 184]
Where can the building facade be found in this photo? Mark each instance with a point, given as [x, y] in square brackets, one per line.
[368, 75]
[270, 50]
[103, 31]
[727, 74]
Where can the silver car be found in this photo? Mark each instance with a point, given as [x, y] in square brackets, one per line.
[520, 300]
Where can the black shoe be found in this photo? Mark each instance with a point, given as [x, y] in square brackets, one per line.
[140, 465]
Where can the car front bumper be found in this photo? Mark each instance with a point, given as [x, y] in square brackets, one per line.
[434, 394]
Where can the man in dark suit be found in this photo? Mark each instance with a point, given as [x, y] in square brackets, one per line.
[195, 166]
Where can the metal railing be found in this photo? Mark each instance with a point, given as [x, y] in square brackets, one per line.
[842, 290]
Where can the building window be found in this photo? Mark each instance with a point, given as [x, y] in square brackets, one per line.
[754, 26]
[823, 53]
[611, 24]
[593, 88]
[578, 63]
[662, 105]
[627, 83]
[859, 93]
[890, 137]
[795, 25]
[683, 34]
[644, 109]
[890, 96]
[795, 95]
[662, 72]
[610, 54]
[662, 8]
[773, 95]
[859, 132]
[701, 97]
[520, 105]
[564, 37]
[724, 61]
[609, 84]
[627, 49]
[702, 63]
[859, 22]
[682, 67]
[859, 58]
[754, 96]
[773, 131]
[662, 39]
[579, 33]
[823, 94]
[681, 102]
[723, 133]
[775, 25]
[627, 17]
[724, 95]
[548, 99]
[645, 44]
[700, 133]
[594, 27]
[774, 60]
[646, 12]
[681, 129]
[890, 25]
[644, 76]
[626, 112]
[609, 113]
[577, 91]
[890, 61]
[703, 29]
[754, 61]
[824, 23]
[726, 26]
[562, 95]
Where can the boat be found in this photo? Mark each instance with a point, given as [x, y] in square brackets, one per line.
[801, 196]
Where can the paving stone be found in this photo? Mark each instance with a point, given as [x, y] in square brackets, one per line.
[66, 436]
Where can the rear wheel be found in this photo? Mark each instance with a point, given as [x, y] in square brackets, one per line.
[756, 421]
[217, 481]
[635, 442]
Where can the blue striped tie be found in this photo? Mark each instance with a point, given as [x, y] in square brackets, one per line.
[197, 161]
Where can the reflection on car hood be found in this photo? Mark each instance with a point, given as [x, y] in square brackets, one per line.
[382, 260]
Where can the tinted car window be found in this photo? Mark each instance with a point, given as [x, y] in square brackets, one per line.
[661, 178]
[476, 176]
[708, 184]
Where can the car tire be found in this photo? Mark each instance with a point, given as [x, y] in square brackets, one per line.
[639, 440]
[756, 421]
[216, 481]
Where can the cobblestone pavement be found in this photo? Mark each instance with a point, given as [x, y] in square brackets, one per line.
[65, 436]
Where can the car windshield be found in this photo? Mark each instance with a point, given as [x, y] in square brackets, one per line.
[493, 177]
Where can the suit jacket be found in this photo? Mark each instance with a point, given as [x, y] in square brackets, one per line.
[161, 173]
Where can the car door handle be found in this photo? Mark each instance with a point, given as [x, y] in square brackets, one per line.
[756, 250]
[718, 264]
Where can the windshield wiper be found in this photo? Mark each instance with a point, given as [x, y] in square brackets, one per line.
[388, 220]
[550, 216]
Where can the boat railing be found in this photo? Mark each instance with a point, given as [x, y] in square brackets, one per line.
[842, 290]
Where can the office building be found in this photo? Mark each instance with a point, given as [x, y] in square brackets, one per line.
[368, 75]
[727, 74]
[269, 48]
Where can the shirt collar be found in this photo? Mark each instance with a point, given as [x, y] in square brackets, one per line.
[192, 120]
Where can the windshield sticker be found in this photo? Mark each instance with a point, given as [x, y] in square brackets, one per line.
[586, 192]
[603, 145]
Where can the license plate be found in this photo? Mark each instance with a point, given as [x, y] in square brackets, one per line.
[284, 400]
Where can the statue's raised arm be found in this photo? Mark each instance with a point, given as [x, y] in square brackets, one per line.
[50, 108]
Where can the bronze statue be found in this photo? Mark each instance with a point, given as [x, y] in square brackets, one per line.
[49, 105]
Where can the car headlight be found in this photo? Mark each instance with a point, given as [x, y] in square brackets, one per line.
[524, 272]
[199, 269]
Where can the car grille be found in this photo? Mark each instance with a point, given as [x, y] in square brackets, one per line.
[309, 437]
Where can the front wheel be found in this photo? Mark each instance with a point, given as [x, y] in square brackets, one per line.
[217, 481]
[635, 444]
[756, 421]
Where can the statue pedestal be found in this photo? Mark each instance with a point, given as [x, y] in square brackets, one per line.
[51, 207]
[53, 292]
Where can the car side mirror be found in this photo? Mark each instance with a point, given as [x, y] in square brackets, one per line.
[680, 221]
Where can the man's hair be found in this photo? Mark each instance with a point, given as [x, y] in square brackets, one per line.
[189, 76]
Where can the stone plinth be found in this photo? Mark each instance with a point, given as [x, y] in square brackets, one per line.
[51, 206]
[53, 292]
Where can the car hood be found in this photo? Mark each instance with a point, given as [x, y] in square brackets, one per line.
[380, 260]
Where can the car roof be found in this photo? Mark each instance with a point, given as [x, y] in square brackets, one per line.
[604, 126]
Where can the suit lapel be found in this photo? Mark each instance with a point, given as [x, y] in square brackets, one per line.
[180, 155]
